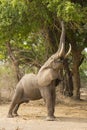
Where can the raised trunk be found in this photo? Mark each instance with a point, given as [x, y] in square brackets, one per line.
[62, 37]
[55, 36]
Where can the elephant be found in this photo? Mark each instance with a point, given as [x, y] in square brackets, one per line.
[24, 93]
[41, 85]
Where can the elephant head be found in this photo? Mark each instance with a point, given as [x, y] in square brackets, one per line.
[49, 71]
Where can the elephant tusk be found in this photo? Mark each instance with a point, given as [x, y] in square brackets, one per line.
[61, 51]
[68, 51]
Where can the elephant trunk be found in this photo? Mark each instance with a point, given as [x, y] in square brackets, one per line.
[61, 50]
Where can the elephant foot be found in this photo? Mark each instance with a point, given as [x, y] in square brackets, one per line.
[50, 118]
[10, 116]
[15, 114]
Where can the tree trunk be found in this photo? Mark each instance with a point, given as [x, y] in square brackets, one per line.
[14, 61]
[68, 83]
[72, 79]
[76, 83]
[76, 76]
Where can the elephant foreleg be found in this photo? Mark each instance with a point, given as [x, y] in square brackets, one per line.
[53, 94]
[47, 96]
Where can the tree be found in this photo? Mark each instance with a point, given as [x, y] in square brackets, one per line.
[73, 14]
[15, 33]
[83, 67]
[19, 18]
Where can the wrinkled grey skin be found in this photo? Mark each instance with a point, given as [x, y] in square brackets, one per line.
[41, 85]
[27, 89]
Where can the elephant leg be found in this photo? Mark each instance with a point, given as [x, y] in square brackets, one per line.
[47, 96]
[15, 101]
[53, 94]
[17, 106]
[50, 109]
[13, 104]
[16, 109]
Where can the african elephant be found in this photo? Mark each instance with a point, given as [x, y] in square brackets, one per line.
[41, 85]
[26, 91]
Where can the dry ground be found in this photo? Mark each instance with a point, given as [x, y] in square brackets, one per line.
[32, 115]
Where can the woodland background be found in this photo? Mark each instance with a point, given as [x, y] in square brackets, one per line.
[30, 32]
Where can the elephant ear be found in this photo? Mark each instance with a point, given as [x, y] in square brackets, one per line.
[45, 77]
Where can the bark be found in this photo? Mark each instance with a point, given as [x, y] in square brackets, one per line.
[14, 61]
[52, 37]
[72, 79]
[76, 83]
[76, 76]
[68, 83]
[77, 60]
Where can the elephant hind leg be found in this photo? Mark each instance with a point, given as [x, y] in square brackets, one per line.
[13, 104]
[16, 99]
[16, 109]
[17, 106]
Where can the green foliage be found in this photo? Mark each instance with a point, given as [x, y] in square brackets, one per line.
[66, 10]
[14, 19]
[21, 24]
[7, 76]
[22, 21]
[70, 12]
[74, 14]
[3, 52]
[83, 67]
[31, 50]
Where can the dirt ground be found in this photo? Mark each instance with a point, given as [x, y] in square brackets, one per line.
[32, 117]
